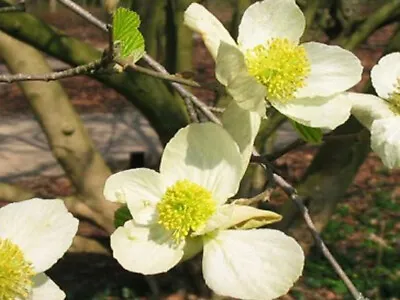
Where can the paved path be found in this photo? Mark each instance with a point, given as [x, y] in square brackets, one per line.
[24, 151]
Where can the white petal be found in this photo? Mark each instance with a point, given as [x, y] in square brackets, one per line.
[248, 93]
[218, 220]
[269, 19]
[199, 19]
[193, 246]
[321, 112]
[231, 71]
[145, 250]
[243, 126]
[368, 108]
[140, 188]
[252, 264]
[45, 288]
[204, 154]
[385, 75]
[385, 140]
[333, 70]
[229, 62]
[43, 229]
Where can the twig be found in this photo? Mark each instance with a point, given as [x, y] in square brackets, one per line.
[300, 142]
[80, 70]
[84, 13]
[14, 8]
[154, 64]
[218, 110]
[290, 147]
[166, 76]
[291, 192]
[264, 196]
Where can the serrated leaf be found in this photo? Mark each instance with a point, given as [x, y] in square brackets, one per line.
[126, 34]
[122, 215]
[309, 134]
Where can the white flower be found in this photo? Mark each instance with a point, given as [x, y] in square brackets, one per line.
[34, 234]
[303, 82]
[182, 210]
[381, 115]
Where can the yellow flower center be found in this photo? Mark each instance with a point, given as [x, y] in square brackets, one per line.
[184, 207]
[394, 99]
[15, 272]
[280, 65]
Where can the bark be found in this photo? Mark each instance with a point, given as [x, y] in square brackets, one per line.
[67, 137]
[179, 44]
[374, 21]
[152, 14]
[13, 193]
[165, 112]
[328, 177]
[325, 183]
[239, 7]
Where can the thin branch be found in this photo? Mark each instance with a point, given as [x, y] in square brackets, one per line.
[370, 24]
[300, 142]
[264, 196]
[166, 76]
[18, 7]
[80, 70]
[153, 63]
[84, 13]
[218, 110]
[291, 192]
[290, 147]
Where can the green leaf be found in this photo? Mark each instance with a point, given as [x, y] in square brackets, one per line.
[126, 34]
[121, 216]
[309, 134]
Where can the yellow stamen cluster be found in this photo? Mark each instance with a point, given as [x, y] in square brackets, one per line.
[15, 272]
[394, 99]
[280, 65]
[184, 207]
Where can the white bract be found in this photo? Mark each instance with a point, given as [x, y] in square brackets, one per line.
[182, 210]
[34, 234]
[381, 115]
[303, 82]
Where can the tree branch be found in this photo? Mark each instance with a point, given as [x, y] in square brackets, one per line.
[71, 72]
[370, 24]
[154, 64]
[14, 8]
[65, 132]
[292, 194]
[165, 112]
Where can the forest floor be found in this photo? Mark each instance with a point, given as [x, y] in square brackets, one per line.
[363, 233]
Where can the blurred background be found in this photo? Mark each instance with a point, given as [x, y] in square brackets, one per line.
[354, 200]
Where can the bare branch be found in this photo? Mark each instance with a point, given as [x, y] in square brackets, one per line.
[291, 192]
[374, 21]
[300, 142]
[166, 76]
[80, 70]
[68, 139]
[84, 13]
[14, 8]
[153, 63]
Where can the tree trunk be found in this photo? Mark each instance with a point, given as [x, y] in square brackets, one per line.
[67, 137]
[165, 112]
